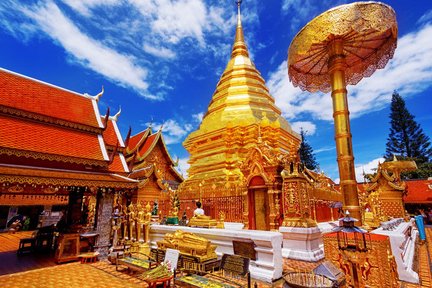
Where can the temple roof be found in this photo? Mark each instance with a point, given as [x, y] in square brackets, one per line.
[143, 144]
[59, 135]
[118, 164]
[37, 137]
[41, 99]
[149, 144]
[419, 191]
[111, 134]
[137, 140]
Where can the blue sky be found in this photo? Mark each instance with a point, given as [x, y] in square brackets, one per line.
[160, 61]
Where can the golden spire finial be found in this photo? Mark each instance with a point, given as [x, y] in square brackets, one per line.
[238, 12]
[239, 47]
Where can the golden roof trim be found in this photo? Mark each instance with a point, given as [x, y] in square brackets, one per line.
[51, 157]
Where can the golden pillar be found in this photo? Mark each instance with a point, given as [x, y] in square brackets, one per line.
[343, 138]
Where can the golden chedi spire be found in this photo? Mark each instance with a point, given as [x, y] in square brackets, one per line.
[239, 47]
[240, 104]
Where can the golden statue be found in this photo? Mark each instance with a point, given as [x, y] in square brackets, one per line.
[132, 220]
[147, 222]
[189, 244]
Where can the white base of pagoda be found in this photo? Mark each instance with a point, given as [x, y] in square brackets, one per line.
[267, 267]
[403, 249]
[304, 244]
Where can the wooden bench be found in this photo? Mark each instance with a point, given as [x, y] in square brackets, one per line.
[89, 257]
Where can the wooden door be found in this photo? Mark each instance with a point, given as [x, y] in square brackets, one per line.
[261, 210]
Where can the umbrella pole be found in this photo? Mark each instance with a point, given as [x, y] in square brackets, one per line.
[345, 155]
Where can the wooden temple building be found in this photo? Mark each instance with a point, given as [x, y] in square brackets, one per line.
[56, 149]
[151, 164]
[244, 164]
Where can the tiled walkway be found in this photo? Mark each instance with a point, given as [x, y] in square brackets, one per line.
[101, 274]
[72, 275]
[424, 265]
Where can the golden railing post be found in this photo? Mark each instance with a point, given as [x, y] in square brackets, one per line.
[345, 158]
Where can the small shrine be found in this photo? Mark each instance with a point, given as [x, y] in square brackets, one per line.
[151, 164]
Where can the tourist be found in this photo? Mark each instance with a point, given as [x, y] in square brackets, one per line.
[198, 210]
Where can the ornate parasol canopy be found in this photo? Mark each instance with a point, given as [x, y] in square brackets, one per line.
[340, 47]
[368, 31]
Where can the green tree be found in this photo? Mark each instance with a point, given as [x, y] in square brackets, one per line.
[307, 156]
[406, 137]
[407, 140]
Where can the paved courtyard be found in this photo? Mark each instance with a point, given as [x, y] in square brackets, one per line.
[28, 271]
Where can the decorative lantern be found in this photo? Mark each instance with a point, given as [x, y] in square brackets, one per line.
[351, 237]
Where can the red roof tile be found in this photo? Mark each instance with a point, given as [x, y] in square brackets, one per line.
[117, 165]
[30, 95]
[110, 135]
[20, 134]
[135, 139]
[149, 144]
[419, 191]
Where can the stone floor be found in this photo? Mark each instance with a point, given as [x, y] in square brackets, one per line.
[41, 271]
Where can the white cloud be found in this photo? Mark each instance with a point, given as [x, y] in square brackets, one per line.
[173, 131]
[109, 36]
[368, 168]
[408, 73]
[198, 117]
[308, 127]
[173, 21]
[87, 51]
[426, 17]
[183, 166]
[84, 6]
[324, 149]
[160, 52]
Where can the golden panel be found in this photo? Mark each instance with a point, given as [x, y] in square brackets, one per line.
[373, 268]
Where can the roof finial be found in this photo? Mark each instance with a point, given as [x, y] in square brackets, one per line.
[99, 95]
[238, 12]
[115, 117]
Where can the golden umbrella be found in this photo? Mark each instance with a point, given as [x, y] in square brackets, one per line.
[340, 47]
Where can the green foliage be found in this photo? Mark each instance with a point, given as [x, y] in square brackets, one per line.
[307, 156]
[423, 171]
[407, 140]
[406, 137]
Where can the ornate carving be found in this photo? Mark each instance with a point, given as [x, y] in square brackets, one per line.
[189, 244]
[50, 157]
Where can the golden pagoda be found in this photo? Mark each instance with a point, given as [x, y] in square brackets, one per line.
[242, 122]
